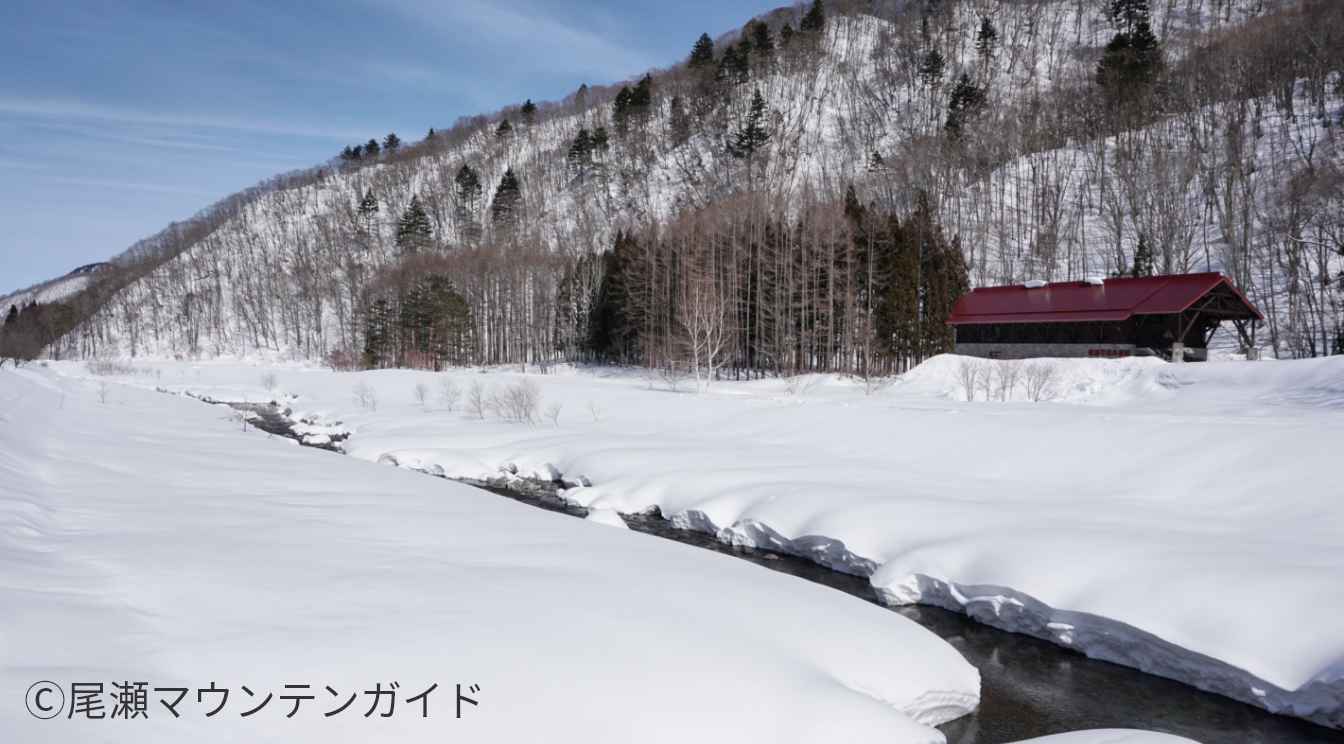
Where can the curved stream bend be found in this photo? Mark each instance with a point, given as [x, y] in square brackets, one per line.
[1029, 687]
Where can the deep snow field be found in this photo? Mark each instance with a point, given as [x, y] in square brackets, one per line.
[1180, 519]
[147, 537]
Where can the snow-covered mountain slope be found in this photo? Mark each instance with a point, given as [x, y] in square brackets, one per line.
[1182, 520]
[54, 290]
[284, 275]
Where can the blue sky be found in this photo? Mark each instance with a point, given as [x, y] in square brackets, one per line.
[117, 118]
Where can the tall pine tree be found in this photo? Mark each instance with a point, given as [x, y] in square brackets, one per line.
[702, 54]
[752, 134]
[504, 210]
[966, 102]
[815, 20]
[468, 200]
[1144, 261]
[985, 38]
[414, 232]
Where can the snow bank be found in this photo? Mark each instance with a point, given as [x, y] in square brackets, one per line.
[150, 538]
[1089, 381]
[1112, 736]
[608, 517]
[1170, 524]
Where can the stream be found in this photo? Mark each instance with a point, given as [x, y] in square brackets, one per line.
[1029, 688]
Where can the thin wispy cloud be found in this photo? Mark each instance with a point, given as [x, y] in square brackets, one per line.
[70, 108]
[120, 185]
[560, 45]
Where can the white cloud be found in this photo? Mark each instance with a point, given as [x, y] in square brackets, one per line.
[69, 108]
[105, 183]
[551, 43]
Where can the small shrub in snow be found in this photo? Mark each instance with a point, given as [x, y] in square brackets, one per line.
[108, 367]
[798, 385]
[103, 391]
[673, 375]
[518, 403]
[366, 397]
[968, 374]
[595, 410]
[988, 373]
[873, 384]
[421, 393]
[269, 382]
[553, 414]
[1039, 380]
[449, 394]
[476, 400]
[1006, 375]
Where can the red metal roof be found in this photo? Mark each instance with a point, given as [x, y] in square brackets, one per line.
[1114, 300]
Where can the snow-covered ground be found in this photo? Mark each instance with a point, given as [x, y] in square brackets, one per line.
[148, 537]
[1183, 520]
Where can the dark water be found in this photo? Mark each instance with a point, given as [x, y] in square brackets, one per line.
[1029, 687]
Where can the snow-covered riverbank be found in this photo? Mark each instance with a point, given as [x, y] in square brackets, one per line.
[1176, 519]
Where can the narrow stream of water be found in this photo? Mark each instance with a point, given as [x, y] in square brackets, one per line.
[1029, 687]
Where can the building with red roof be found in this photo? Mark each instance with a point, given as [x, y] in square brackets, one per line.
[1171, 316]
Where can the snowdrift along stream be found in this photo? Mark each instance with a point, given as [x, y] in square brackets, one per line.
[1165, 517]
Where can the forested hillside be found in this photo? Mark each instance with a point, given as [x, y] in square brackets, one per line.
[811, 192]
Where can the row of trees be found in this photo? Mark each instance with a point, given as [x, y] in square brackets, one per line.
[372, 149]
[743, 286]
[26, 331]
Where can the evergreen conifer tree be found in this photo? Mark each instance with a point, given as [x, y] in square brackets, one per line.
[601, 140]
[1144, 262]
[752, 135]
[369, 204]
[415, 234]
[368, 212]
[372, 149]
[931, 67]
[377, 335]
[391, 143]
[986, 38]
[468, 202]
[1133, 59]
[508, 198]
[702, 54]
[641, 98]
[580, 155]
[815, 19]
[620, 109]
[529, 112]
[13, 316]
[761, 41]
[504, 130]
[967, 100]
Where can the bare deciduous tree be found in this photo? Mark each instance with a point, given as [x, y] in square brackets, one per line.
[449, 394]
[365, 396]
[968, 374]
[1039, 381]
